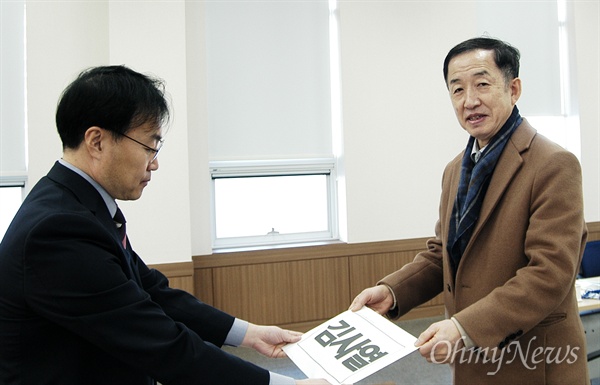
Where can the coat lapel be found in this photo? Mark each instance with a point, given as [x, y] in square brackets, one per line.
[508, 165]
[449, 191]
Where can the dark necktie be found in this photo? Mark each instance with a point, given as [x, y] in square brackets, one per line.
[120, 221]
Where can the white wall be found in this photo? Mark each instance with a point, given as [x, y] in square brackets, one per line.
[62, 38]
[151, 37]
[399, 127]
[65, 37]
[587, 40]
[397, 113]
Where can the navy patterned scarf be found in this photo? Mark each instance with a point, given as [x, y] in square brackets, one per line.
[473, 184]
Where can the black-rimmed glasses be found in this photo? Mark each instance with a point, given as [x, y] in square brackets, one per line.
[148, 148]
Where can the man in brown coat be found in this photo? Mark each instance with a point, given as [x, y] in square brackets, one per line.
[508, 242]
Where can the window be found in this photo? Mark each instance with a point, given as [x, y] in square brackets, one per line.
[562, 130]
[10, 201]
[273, 122]
[268, 203]
[563, 126]
[13, 132]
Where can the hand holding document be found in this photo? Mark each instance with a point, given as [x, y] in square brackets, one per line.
[350, 347]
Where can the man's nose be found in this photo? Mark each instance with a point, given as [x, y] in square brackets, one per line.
[472, 99]
[153, 165]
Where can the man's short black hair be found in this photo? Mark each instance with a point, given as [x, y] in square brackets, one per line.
[506, 56]
[115, 98]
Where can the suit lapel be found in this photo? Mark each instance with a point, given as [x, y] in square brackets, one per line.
[89, 197]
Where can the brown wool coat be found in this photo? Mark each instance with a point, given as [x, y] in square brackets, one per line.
[514, 290]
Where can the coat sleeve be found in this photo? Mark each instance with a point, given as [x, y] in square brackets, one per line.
[74, 278]
[416, 282]
[211, 324]
[422, 279]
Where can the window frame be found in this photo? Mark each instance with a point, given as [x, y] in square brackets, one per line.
[274, 168]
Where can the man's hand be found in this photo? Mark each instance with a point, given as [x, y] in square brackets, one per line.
[268, 340]
[440, 342]
[379, 298]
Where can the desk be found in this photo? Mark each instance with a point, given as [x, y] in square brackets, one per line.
[589, 310]
[587, 305]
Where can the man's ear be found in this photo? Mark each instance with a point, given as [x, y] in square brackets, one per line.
[515, 88]
[93, 141]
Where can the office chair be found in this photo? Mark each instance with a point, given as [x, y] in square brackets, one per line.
[590, 263]
[590, 267]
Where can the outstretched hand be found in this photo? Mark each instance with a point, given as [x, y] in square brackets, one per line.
[379, 298]
[269, 340]
[440, 342]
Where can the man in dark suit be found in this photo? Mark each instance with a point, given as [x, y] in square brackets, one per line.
[77, 304]
[508, 242]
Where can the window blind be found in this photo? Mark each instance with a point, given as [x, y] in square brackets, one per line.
[268, 79]
[532, 27]
[13, 162]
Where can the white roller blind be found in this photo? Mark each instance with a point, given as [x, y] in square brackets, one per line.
[13, 165]
[268, 79]
[532, 27]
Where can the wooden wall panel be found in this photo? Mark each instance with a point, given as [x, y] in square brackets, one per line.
[367, 270]
[593, 231]
[300, 287]
[183, 283]
[285, 292]
[203, 284]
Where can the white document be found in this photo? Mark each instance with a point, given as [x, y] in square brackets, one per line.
[350, 347]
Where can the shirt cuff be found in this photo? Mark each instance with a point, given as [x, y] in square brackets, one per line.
[466, 339]
[278, 379]
[237, 333]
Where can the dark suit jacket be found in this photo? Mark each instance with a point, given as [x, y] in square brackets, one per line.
[72, 313]
[515, 281]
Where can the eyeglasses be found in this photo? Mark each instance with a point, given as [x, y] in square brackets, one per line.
[148, 148]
